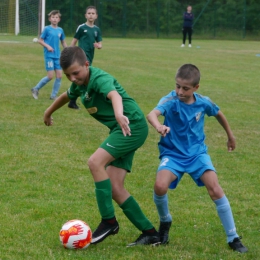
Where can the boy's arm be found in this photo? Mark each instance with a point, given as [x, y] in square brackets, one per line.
[117, 104]
[231, 143]
[47, 46]
[98, 45]
[152, 118]
[64, 44]
[58, 103]
[74, 42]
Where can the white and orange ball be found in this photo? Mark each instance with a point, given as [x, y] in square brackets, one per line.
[75, 234]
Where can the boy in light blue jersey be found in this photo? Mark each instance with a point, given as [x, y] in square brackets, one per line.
[182, 150]
[50, 39]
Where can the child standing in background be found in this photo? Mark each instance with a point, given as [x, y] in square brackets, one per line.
[50, 39]
[89, 37]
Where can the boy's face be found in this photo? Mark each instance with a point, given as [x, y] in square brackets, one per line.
[54, 19]
[78, 74]
[91, 15]
[184, 90]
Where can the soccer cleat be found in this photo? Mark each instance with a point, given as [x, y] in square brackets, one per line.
[183, 45]
[164, 232]
[72, 104]
[236, 245]
[104, 230]
[189, 45]
[145, 239]
[35, 93]
[52, 98]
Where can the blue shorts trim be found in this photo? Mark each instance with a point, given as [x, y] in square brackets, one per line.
[195, 167]
[52, 64]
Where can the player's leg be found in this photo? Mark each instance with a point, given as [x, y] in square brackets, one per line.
[131, 208]
[184, 32]
[189, 35]
[50, 72]
[73, 104]
[103, 189]
[56, 84]
[209, 178]
[163, 180]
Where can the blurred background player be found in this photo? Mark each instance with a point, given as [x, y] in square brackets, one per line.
[89, 37]
[187, 25]
[50, 39]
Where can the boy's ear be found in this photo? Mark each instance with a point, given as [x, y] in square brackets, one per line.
[87, 63]
[197, 86]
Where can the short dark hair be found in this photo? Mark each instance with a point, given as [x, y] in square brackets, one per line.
[72, 54]
[189, 72]
[91, 7]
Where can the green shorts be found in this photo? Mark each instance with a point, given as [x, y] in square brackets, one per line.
[123, 148]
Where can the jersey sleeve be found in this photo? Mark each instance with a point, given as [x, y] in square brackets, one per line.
[73, 91]
[99, 36]
[164, 104]
[62, 37]
[78, 33]
[211, 108]
[44, 32]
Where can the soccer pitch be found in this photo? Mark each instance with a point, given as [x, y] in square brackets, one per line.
[45, 180]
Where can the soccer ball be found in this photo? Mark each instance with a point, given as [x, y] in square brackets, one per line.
[35, 39]
[75, 234]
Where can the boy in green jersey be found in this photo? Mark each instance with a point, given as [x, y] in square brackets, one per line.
[106, 101]
[89, 37]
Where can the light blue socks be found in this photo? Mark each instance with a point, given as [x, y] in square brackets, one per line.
[42, 82]
[161, 203]
[56, 87]
[226, 217]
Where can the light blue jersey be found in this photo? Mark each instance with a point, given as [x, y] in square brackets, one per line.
[52, 36]
[185, 141]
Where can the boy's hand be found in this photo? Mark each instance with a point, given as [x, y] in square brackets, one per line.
[50, 49]
[123, 121]
[48, 120]
[163, 130]
[231, 144]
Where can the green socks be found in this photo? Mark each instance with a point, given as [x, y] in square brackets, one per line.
[104, 199]
[134, 213]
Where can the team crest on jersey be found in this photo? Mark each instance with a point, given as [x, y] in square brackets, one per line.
[87, 97]
[198, 115]
[59, 35]
[85, 30]
[95, 33]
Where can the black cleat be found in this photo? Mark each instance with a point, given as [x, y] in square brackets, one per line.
[104, 230]
[72, 104]
[236, 245]
[164, 232]
[145, 239]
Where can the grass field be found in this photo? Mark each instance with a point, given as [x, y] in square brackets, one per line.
[45, 180]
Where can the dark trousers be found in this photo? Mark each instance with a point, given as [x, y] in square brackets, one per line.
[186, 30]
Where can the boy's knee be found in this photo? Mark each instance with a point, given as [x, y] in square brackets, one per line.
[160, 188]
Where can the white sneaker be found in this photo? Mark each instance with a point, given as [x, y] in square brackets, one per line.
[189, 45]
[183, 45]
[35, 93]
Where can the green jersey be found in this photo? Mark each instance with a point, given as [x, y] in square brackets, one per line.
[87, 36]
[94, 98]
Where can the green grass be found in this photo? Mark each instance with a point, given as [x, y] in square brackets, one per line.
[45, 180]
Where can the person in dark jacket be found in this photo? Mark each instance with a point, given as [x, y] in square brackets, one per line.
[187, 25]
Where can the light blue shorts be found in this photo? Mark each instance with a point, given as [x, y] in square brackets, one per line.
[52, 64]
[195, 167]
